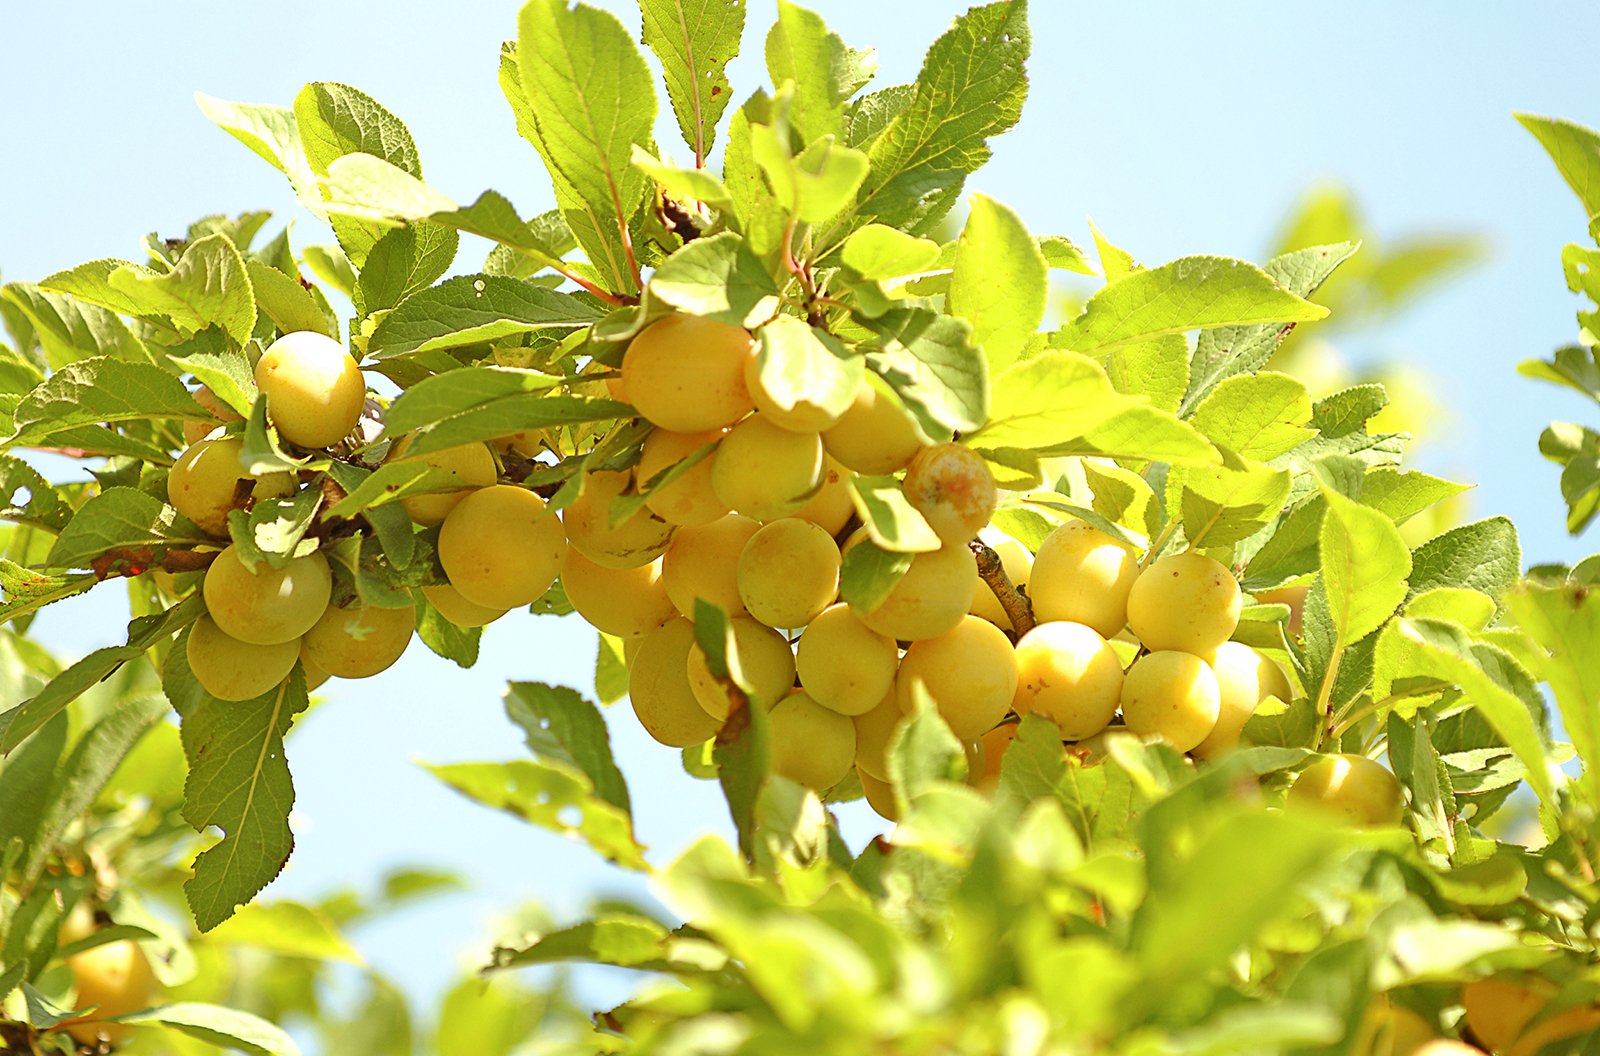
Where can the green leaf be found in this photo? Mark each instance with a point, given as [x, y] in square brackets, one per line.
[1158, 369]
[1261, 416]
[1366, 566]
[560, 725]
[269, 131]
[869, 572]
[474, 309]
[684, 184]
[69, 330]
[610, 671]
[289, 305]
[123, 519]
[25, 591]
[91, 283]
[800, 365]
[1565, 621]
[718, 278]
[554, 796]
[44, 507]
[924, 752]
[273, 529]
[695, 40]
[970, 88]
[225, 371]
[226, 1028]
[623, 941]
[815, 184]
[403, 261]
[878, 251]
[1062, 254]
[1049, 400]
[1000, 282]
[489, 1018]
[930, 362]
[1576, 152]
[1483, 556]
[238, 781]
[209, 286]
[1187, 294]
[289, 929]
[743, 759]
[458, 644]
[824, 70]
[889, 517]
[100, 390]
[1231, 502]
[26, 792]
[481, 403]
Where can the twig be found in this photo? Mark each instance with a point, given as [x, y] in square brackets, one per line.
[1015, 603]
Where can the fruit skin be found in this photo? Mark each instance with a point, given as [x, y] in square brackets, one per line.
[626, 602]
[1352, 787]
[764, 471]
[1446, 1047]
[359, 641]
[1500, 1011]
[1017, 563]
[195, 430]
[788, 572]
[875, 729]
[458, 610]
[995, 744]
[844, 664]
[951, 486]
[659, 690]
[875, 435]
[703, 562]
[205, 483]
[811, 745]
[689, 499]
[229, 669]
[686, 374]
[765, 661]
[116, 977]
[1185, 601]
[831, 507]
[1068, 673]
[313, 387]
[637, 541]
[1171, 696]
[929, 600]
[271, 605]
[1388, 1029]
[969, 671]
[472, 465]
[501, 548]
[1084, 576]
[1245, 678]
[879, 796]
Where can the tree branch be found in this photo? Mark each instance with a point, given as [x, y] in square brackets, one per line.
[1018, 609]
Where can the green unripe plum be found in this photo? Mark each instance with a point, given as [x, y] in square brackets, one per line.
[471, 465]
[766, 472]
[788, 573]
[638, 540]
[659, 690]
[686, 374]
[953, 490]
[501, 547]
[879, 796]
[1017, 563]
[875, 731]
[929, 600]
[1350, 787]
[359, 641]
[1070, 675]
[831, 507]
[626, 602]
[844, 664]
[1186, 601]
[270, 605]
[811, 745]
[1082, 575]
[969, 671]
[313, 387]
[1172, 697]
[229, 669]
[703, 562]
[116, 978]
[688, 500]
[458, 610]
[876, 435]
[208, 481]
[765, 660]
[1245, 678]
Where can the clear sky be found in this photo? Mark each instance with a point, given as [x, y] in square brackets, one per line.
[1180, 128]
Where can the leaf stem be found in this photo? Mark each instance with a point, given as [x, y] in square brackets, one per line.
[1158, 543]
[1018, 609]
[1325, 693]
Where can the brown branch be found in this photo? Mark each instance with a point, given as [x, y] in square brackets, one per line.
[1018, 609]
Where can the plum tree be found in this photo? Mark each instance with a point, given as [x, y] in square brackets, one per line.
[686, 373]
[637, 539]
[314, 389]
[875, 730]
[659, 689]
[844, 664]
[703, 562]
[879, 795]
[502, 547]
[929, 600]
[970, 672]
[788, 572]
[359, 641]
[1351, 787]
[764, 471]
[1082, 575]
[457, 609]
[470, 465]
[229, 669]
[117, 979]
[1069, 674]
[1245, 679]
[876, 434]
[811, 745]
[626, 602]
[1185, 601]
[208, 481]
[269, 605]
[951, 486]
[1172, 697]
[1017, 562]
[765, 660]
[688, 500]
[831, 507]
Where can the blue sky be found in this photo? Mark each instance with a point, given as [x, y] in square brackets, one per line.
[1180, 128]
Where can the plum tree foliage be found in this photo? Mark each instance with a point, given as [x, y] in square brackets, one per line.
[1201, 728]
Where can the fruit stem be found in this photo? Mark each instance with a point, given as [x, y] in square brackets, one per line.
[1015, 603]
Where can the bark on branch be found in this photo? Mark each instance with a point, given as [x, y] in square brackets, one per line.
[1018, 609]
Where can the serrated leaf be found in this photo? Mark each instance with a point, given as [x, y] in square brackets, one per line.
[889, 517]
[696, 185]
[1231, 502]
[69, 330]
[97, 390]
[24, 591]
[930, 362]
[560, 725]
[877, 251]
[1366, 567]
[269, 131]
[209, 286]
[815, 184]
[289, 305]
[43, 506]
[335, 121]
[271, 532]
[1576, 152]
[1157, 369]
[824, 70]
[1483, 556]
[123, 519]
[1049, 400]
[1261, 416]
[403, 261]
[1063, 254]
[695, 40]
[482, 403]
[1565, 621]
[1000, 281]
[225, 371]
[718, 278]
[226, 1028]
[474, 309]
[457, 644]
